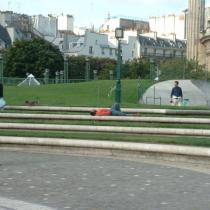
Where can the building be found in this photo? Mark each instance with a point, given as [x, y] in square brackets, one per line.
[18, 26]
[92, 45]
[65, 23]
[5, 40]
[111, 23]
[198, 33]
[166, 26]
[47, 26]
[195, 27]
[157, 47]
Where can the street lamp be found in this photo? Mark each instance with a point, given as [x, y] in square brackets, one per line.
[46, 76]
[66, 69]
[61, 76]
[87, 69]
[1, 69]
[152, 64]
[95, 74]
[119, 34]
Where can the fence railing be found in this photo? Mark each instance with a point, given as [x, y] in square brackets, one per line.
[12, 81]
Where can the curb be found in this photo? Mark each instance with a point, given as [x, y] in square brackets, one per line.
[106, 129]
[108, 145]
[128, 110]
[105, 118]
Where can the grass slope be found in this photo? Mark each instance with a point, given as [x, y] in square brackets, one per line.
[95, 93]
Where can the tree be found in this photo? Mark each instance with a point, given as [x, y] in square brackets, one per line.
[181, 69]
[32, 56]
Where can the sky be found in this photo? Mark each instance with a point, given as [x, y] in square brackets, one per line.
[93, 12]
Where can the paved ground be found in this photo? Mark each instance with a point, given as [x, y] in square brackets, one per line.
[196, 91]
[30, 181]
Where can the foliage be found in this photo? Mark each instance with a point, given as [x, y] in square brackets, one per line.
[32, 56]
[181, 69]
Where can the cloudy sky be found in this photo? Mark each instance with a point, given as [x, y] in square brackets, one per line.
[87, 12]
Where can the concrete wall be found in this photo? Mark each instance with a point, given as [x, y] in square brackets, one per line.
[167, 25]
[194, 27]
[65, 23]
[196, 91]
[45, 25]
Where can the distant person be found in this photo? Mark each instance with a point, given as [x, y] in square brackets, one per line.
[2, 101]
[114, 111]
[176, 94]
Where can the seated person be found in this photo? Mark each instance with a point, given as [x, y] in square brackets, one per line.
[114, 111]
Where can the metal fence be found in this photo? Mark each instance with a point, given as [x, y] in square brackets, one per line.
[12, 81]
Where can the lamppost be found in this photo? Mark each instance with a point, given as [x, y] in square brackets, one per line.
[1, 69]
[87, 69]
[95, 74]
[119, 34]
[61, 76]
[46, 76]
[152, 63]
[66, 69]
[57, 77]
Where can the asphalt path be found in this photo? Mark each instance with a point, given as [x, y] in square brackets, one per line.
[33, 181]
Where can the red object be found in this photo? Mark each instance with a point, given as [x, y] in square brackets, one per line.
[103, 112]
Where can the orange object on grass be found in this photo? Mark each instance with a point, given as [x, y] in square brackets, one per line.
[103, 112]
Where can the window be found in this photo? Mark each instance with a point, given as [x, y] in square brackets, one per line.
[90, 50]
[145, 51]
[102, 51]
[116, 52]
[110, 52]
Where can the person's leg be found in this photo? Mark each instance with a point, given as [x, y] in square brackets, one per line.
[116, 107]
[2, 103]
[118, 113]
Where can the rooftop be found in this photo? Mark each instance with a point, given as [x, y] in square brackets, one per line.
[161, 42]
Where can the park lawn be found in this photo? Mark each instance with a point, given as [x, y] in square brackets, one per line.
[174, 140]
[94, 93]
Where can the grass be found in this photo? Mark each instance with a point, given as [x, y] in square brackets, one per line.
[95, 93]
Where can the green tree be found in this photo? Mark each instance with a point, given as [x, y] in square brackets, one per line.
[181, 69]
[32, 56]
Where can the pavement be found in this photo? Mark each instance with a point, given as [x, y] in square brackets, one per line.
[42, 181]
[196, 91]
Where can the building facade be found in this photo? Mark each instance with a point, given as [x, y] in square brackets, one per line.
[5, 40]
[165, 26]
[160, 48]
[111, 23]
[47, 26]
[198, 33]
[195, 27]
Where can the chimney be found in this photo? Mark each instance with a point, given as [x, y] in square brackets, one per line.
[155, 35]
[174, 37]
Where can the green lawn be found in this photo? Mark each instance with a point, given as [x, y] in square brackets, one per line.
[95, 93]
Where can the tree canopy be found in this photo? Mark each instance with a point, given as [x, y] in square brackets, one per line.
[32, 56]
